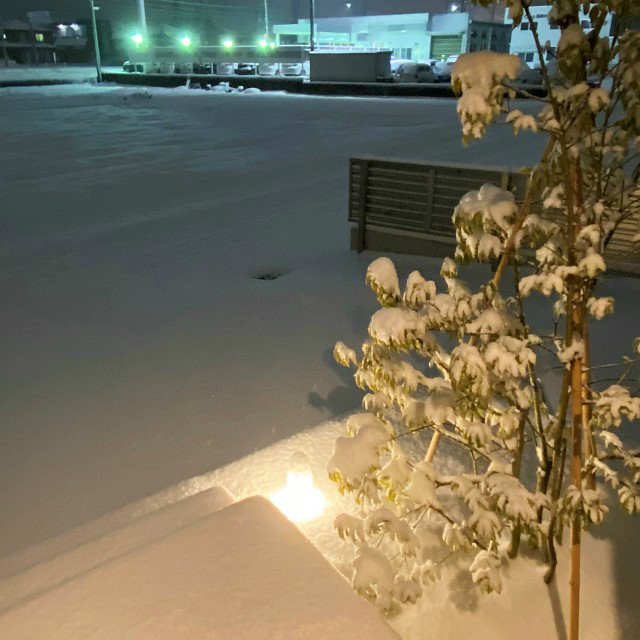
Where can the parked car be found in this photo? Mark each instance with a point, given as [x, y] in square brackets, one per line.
[443, 68]
[268, 69]
[395, 64]
[293, 69]
[247, 69]
[183, 67]
[529, 76]
[414, 72]
[225, 68]
[203, 67]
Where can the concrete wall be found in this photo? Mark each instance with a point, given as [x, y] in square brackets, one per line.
[350, 67]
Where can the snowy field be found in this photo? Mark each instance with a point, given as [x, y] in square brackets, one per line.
[54, 72]
[140, 348]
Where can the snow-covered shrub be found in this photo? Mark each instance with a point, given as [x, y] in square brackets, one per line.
[459, 364]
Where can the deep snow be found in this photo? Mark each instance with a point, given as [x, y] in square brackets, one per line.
[140, 348]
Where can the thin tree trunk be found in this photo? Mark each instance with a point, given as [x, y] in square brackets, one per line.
[588, 445]
[504, 261]
[516, 468]
[576, 332]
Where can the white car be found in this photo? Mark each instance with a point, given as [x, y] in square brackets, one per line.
[443, 68]
[397, 62]
[225, 68]
[294, 68]
[268, 69]
[414, 72]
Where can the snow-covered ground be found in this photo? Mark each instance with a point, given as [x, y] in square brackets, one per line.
[140, 348]
[53, 72]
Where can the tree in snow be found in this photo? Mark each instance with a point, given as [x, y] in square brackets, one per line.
[463, 366]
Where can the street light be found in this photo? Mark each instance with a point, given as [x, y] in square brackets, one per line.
[312, 17]
[266, 18]
[227, 43]
[96, 45]
[137, 39]
[185, 41]
[142, 17]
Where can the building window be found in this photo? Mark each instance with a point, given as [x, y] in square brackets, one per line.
[528, 57]
[39, 37]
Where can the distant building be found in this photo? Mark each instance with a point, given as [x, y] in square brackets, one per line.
[415, 36]
[522, 40]
[24, 43]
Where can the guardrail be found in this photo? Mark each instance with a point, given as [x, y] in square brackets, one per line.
[406, 207]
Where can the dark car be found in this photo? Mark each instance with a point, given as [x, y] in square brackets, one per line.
[247, 69]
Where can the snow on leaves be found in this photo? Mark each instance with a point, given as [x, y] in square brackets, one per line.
[383, 280]
[479, 78]
[485, 571]
[441, 358]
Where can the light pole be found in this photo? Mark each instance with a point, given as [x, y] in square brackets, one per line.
[96, 45]
[312, 18]
[142, 17]
[266, 18]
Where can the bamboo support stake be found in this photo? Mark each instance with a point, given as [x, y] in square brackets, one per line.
[576, 472]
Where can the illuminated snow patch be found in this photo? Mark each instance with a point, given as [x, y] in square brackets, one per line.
[299, 500]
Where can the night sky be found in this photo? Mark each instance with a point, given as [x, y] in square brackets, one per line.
[119, 11]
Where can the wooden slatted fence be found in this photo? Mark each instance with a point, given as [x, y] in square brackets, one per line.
[406, 207]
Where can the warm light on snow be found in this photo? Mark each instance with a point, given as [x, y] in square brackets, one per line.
[299, 500]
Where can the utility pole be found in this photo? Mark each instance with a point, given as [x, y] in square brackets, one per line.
[142, 16]
[5, 55]
[266, 18]
[312, 18]
[96, 45]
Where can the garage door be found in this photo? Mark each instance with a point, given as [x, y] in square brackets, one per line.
[443, 46]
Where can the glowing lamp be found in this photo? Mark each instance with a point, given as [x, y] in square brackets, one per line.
[299, 500]
[185, 41]
[228, 43]
[263, 44]
[273, 45]
[137, 39]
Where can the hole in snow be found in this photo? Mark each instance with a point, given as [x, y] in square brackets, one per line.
[269, 275]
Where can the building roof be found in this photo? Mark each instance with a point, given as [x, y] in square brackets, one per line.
[15, 25]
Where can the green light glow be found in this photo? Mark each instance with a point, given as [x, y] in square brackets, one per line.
[185, 41]
[228, 43]
[137, 38]
[263, 44]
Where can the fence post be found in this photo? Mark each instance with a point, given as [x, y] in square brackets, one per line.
[362, 203]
